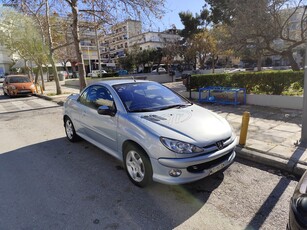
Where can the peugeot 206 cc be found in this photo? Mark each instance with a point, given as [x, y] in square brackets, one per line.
[156, 133]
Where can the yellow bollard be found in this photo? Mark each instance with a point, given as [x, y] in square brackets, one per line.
[244, 127]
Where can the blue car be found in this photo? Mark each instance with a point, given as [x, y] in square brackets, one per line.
[122, 72]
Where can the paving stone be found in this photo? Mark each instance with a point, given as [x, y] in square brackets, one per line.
[259, 145]
[260, 136]
[288, 127]
[284, 152]
[278, 133]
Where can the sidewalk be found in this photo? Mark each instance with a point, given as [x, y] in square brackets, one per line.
[273, 133]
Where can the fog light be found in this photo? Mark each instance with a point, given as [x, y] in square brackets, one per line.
[175, 172]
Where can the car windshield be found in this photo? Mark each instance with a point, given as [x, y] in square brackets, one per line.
[19, 79]
[148, 96]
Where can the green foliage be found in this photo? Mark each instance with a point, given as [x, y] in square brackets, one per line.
[192, 24]
[220, 11]
[272, 82]
[127, 62]
[19, 34]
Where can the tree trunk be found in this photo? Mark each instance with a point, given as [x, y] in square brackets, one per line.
[42, 76]
[213, 64]
[293, 63]
[259, 63]
[76, 36]
[51, 57]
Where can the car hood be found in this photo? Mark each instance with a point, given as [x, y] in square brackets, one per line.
[192, 124]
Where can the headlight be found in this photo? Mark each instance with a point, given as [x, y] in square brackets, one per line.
[179, 146]
[12, 87]
[32, 86]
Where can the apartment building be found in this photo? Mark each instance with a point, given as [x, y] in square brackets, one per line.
[113, 45]
[154, 40]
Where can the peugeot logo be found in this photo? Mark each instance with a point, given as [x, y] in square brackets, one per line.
[220, 144]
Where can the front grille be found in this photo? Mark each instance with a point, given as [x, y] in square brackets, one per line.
[213, 147]
[207, 165]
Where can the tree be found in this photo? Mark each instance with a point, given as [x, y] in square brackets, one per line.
[108, 11]
[203, 43]
[267, 27]
[193, 24]
[170, 51]
[52, 29]
[19, 34]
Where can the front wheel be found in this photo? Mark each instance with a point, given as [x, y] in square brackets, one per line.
[70, 130]
[137, 165]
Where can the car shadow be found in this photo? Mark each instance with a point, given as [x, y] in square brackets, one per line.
[57, 184]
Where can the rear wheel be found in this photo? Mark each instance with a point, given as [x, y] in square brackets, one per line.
[137, 165]
[70, 130]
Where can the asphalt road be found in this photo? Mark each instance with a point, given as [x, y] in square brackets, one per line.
[46, 182]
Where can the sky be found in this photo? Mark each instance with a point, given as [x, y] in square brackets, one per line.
[173, 7]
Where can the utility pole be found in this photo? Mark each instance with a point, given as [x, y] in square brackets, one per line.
[97, 40]
[303, 140]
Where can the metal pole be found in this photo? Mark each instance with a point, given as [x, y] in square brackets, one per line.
[304, 118]
[89, 59]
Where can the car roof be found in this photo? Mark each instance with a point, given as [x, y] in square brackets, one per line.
[17, 75]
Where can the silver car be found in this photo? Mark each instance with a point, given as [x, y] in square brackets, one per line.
[156, 133]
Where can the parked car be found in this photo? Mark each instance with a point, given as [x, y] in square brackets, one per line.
[14, 85]
[161, 70]
[96, 73]
[156, 133]
[122, 72]
[298, 206]
[63, 75]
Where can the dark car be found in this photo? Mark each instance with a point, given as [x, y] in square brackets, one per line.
[298, 206]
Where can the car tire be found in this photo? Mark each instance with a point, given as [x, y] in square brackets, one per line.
[70, 130]
[137, 165]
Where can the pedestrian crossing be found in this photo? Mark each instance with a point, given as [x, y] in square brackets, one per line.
[24, 104]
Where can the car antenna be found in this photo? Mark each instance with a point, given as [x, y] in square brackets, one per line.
[133, 79]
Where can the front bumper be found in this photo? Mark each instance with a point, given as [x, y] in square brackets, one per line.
[17, 92]
[192, 169]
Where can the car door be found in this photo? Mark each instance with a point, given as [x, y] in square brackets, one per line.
[102, 129]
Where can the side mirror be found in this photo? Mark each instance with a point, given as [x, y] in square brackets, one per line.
[105, 110]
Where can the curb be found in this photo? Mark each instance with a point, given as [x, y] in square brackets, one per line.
[289, 166]
[59, 101]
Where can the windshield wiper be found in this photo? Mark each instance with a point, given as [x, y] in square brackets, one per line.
[141, 110]
[175, 106]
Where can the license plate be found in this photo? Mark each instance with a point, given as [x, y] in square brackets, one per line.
[216, 168]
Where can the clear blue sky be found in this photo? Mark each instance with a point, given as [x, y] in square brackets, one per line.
[173, 7]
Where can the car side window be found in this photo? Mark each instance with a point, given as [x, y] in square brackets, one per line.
[96, 96]
[103, 97]
[83, 98]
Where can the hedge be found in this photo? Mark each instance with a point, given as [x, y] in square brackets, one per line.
[268, 82]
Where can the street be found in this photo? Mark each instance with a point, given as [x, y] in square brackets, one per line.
[46, 182]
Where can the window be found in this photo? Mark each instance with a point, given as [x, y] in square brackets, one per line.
[96, 96]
